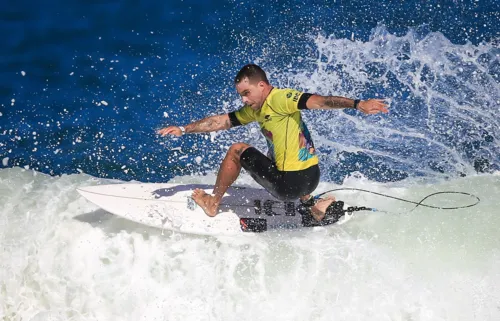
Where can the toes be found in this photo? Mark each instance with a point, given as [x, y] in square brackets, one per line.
[198, 192]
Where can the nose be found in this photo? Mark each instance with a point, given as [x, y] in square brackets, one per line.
[245, 100]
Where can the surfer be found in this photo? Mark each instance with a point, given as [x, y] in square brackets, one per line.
[290, 170]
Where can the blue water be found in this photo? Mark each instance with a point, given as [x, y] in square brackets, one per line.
[85, 84]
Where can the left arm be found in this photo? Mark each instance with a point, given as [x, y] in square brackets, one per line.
[370, 106]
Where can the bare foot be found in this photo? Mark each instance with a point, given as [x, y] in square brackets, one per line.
[319, 209]
[205, 201]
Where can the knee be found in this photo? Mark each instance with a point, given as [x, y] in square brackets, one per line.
[237, 149]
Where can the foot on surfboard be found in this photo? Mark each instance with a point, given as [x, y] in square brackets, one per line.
[321, 211]
[206, 201]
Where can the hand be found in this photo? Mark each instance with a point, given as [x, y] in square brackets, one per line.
[373, 106]
[171, 130]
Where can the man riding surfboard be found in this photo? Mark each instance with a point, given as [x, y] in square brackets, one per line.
[290, 170]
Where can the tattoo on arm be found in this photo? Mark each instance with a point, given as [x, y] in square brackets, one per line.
[208, 124]
[336, 102]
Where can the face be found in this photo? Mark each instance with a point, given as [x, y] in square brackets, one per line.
[251, 94]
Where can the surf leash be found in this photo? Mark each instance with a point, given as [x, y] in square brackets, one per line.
[417, 204]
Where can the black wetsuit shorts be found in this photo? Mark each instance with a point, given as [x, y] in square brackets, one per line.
[284, 185]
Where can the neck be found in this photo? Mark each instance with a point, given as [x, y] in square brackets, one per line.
[266, 93]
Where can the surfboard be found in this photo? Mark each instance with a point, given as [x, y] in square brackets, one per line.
[170, 206]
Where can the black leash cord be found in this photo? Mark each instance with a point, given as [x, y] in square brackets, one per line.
[417, 204]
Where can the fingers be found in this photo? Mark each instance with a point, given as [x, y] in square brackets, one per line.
[379, 108]
[167, 131]
[374, 106]
[163, 132]
[381, 105]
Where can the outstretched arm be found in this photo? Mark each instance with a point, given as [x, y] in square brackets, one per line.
[370, 106]
[205, 125]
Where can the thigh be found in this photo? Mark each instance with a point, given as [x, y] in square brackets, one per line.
[282, 185]
[262, 169]
[300, 183]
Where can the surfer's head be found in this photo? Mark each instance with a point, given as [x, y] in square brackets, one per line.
[252, 85]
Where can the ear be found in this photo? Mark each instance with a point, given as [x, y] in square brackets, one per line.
[261, 84]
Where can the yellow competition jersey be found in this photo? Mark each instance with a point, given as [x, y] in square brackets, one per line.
[288, 139]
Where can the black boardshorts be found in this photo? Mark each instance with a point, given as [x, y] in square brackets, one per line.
[284, 185]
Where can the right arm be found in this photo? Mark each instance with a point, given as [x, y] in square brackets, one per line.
[205, 125]
[370, 106]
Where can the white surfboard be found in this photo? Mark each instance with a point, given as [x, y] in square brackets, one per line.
[169, 206]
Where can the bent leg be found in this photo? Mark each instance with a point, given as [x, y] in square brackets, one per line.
[228, 172]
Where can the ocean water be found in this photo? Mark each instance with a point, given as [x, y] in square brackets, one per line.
[65, 259]
[84, 86]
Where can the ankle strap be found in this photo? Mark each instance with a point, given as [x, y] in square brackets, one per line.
[308, 202]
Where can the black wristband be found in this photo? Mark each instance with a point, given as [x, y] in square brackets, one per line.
[356, 102]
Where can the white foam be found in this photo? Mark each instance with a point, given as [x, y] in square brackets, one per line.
[63, 258]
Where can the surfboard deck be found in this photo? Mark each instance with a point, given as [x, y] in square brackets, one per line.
[170, 207]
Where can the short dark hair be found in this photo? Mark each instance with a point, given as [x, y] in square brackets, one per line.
[253, 72]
